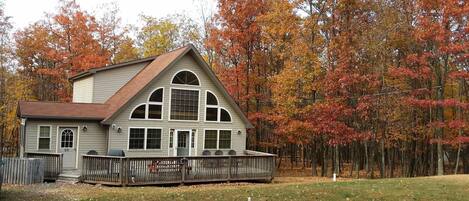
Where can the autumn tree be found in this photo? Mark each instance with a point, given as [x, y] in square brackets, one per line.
[160, 35]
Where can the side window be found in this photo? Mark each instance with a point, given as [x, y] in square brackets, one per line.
[155, 104]
[153, 138]
[136, 138]
[217, 139]
[44, 137]
[152, 109]
[210, 139]
[139, 112]
[213, 112]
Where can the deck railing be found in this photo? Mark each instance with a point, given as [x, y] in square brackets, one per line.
[172, 170]
[52, 163]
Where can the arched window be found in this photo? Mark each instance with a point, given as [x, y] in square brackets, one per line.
[224, 115]
[185, 77]
[139, 112]
[67, 139]
[213, 112]
[155, 104]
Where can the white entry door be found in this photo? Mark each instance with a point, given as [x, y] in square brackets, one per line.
[183, 142]
[67, 146]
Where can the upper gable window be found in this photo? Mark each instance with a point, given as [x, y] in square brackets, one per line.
[213, 112]
[152, 109]
[185, 77]
[139, 112]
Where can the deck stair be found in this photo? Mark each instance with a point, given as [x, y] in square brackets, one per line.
[69, 176]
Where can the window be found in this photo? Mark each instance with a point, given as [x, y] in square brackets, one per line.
[224, 115]
[66, 139]
[139, 112]
[193, 137]
[171, 138]
[156, 96]
[185, 77]
[44, 137]
[213, 112]
[144, 138]
[136, 138]
[210, 139]
[225, 139]
[155, 104]
[184, 104]
[217, 139]
[211, 99]
[153, 138]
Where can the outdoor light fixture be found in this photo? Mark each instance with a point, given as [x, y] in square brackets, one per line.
[119, 130]
[239, 132]
[85, 128]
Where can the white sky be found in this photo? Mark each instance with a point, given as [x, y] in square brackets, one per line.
[25, 12]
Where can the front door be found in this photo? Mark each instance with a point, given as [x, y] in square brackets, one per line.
[67, 146]
[182, 142]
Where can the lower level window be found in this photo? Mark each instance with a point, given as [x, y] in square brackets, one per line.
[44, 137]
[144, 138]
[136, 138]
[217, 139]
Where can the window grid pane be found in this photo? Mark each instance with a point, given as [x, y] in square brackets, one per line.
[210, 139]
[171, 138]
[136, 138]
[184, 104]
[66, 139]
[157, 96]
[44, 131]
[224, 115]
[225, 139]
[139, 112]
[153, 138]
[44, 143]
[211, 114]
[154, 111]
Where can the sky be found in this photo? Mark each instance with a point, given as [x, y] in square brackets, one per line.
[25, 12]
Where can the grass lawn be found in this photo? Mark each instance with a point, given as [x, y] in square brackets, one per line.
[301, 188]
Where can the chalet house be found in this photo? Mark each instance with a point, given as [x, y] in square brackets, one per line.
[169, 105]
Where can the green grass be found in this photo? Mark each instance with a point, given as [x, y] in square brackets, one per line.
[427, 188]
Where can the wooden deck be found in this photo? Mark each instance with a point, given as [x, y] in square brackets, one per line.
[129, 171]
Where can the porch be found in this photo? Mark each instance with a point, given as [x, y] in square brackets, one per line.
[133, 171]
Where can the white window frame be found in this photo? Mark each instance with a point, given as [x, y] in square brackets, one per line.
[218, 107]
[198, 104]
[218, 139]
[155, 103]
[39, 136]
[133, 110]
[174, 75]
[144, 138]
[73, 140]
[147, 107]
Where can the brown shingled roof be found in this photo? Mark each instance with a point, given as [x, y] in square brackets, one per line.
[56, 110]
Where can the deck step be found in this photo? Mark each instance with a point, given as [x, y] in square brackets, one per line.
[68, 177]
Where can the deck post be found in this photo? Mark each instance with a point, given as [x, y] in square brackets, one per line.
[121, 172]
[183, 170]
[229, 168]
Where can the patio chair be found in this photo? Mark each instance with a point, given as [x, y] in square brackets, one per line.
[218, 152]
[206, 153]
[232, 152]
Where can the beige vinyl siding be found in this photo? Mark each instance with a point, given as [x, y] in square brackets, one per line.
[83, 90]
[120, 140]
[107, 82]
[95, 138]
